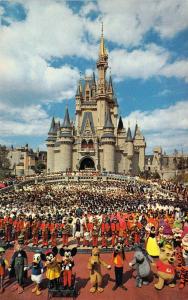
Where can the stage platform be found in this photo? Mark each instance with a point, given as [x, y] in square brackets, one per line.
[83, 284]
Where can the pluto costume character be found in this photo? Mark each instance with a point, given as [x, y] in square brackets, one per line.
[94, 265]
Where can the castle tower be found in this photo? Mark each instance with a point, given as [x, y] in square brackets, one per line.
[102, 65]
[121, 133]
[50, 146]
[108, 142]
[97, 140]
[112, 101]
[139, 145]
[130, 151]
[79, 98]
[65, 142]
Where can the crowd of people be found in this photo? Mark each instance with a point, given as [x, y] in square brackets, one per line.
[107, 214]
[88, 214]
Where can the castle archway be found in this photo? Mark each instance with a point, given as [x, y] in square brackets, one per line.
[87, 163]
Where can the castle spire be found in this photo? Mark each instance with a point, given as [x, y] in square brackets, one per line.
[66, 122]
[110, 85]
[102, 47]
[52, 127]
[129, 135]
[120, 124]
[136, 129]
[108, 121]
[102, 65]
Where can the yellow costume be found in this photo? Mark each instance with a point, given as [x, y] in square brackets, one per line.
[53, 270]
[152, 247]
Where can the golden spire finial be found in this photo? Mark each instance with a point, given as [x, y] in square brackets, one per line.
[101, 28]
[102, 50]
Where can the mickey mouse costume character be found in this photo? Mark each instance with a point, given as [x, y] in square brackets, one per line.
[19, 265]
[37, 272]
[66, 265]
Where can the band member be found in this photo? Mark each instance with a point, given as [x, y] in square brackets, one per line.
[78, 231]
[95, 233]
[35, 230]
[66, 229]
[44, 229]
[105, 230]
[86, 233]
[53, 231]
[8, 226]
[115, 230]
[26, 230]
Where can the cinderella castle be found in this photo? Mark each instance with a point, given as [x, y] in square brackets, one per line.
[98, 139]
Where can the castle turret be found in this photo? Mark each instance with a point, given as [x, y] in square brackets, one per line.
[50, 146]
[108, 142]
[79, 98]
[139, 145]
[64, 144]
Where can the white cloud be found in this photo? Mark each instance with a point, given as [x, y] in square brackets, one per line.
[127, 22]
[165, 127]
[50, 30]
[88, 8]
[177, 69]
[26, 121]
[138, 63]
[144, 63]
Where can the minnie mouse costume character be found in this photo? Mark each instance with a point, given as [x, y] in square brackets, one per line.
[66, 265]
[53, 268]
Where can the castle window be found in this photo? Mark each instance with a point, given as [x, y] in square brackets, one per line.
[90, 144]
[84, 144]
[87, 95]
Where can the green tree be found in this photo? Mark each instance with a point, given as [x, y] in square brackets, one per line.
[4, 162]
[39, 167]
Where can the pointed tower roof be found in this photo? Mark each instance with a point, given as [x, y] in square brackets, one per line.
[137, 133]
[120, 124]
[102, 49]
[79, 88]
[129, 135]
[110, 85]
[93, 79]
[52, 127]
[136, 128]
[57, 125]
[66, 122]
[108, 121]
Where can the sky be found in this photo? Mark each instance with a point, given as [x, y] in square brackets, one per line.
[45, 44]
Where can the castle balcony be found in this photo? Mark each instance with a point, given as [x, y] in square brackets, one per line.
[87, 151]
